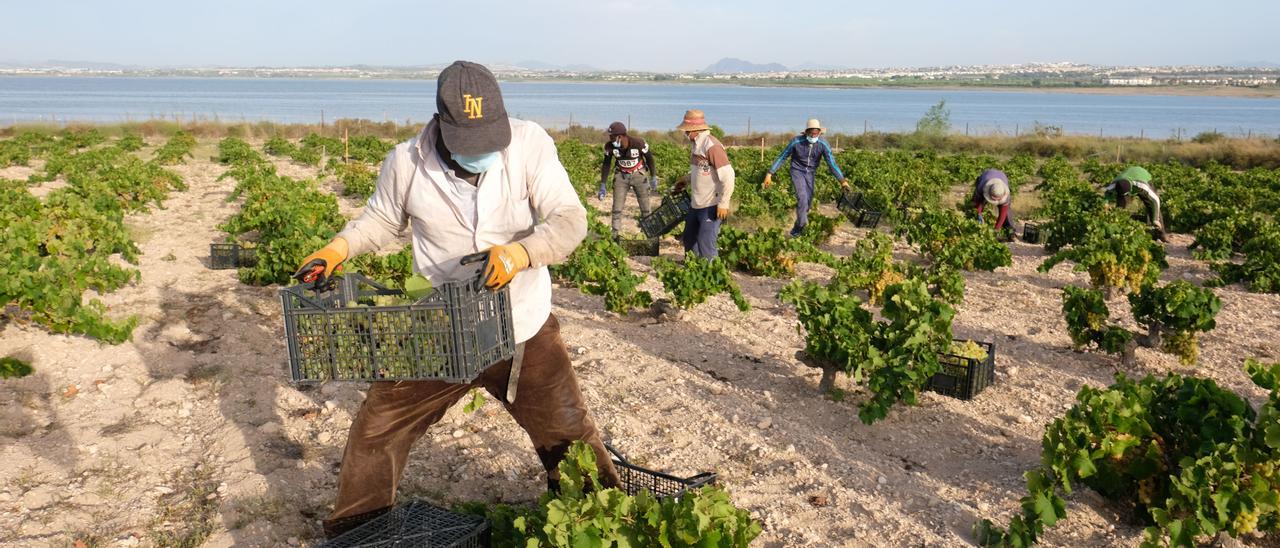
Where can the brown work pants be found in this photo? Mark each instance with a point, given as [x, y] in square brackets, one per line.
[549, 406]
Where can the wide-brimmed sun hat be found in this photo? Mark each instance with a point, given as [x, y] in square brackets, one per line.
[694, 120]
[996, 191]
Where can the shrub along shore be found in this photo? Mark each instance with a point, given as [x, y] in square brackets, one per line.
[1046, 142]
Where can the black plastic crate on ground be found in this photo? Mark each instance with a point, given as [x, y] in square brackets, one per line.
[648, 247]
[964, 378]
[672, 212]
[417, 524]
[1033, 233]
[635, 479]
[866, 219]
[230, 255]
[449, 335]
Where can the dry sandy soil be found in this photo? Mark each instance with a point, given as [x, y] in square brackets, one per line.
[193, 428]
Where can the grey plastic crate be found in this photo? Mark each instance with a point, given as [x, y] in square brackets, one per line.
[635, 478]
[673, 210]
[417, 524]
[964, 378]
[223, 256]
[450, 335]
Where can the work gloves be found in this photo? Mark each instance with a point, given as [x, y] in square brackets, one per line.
[319, 266]
[501, 264]
[722, 212]
[768, 180]
[653, 184]
[600, 193]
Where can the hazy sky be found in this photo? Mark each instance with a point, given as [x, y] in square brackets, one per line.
[654, 35]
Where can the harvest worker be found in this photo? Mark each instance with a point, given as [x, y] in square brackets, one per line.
[1137, 180]
[475, 187]
[710, 181]
[992, 188]
[807, 151]
[636, 171]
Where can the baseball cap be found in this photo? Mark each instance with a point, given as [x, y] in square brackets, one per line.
[473, 119]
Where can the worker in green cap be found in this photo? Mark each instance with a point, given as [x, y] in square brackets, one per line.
[1136, 180]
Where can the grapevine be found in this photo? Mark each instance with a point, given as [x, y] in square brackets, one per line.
[599, 267]
[586, 513]
[894, 357]
[1087, 315]
[1193, 459]
[1117, 252]
[693, 282]
[1173, 313]
[290, 217]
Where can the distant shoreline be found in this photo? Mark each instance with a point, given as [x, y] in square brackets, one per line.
[1271, 92]
[1175, 91]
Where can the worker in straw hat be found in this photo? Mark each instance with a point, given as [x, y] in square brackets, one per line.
[1136, 180]
[710, 183]
[992, 189]
[807, 151]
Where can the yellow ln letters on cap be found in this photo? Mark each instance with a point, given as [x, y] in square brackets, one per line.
[472, 106]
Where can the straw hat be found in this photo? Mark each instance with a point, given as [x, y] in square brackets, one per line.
[813, 124]
[694, 120]
[996, 191]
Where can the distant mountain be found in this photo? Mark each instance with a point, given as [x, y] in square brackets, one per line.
[542, 66]
[729, 65]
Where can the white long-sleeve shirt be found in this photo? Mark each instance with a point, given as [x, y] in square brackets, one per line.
[525, 198]
[1145, 193]
[710, 173]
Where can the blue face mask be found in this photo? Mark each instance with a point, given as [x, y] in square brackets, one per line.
[811, 139]
[477, 163]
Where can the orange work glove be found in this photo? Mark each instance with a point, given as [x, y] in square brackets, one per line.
[319, 266]
[501, 264]
[722, 212]
[768, 180]
[844, 183]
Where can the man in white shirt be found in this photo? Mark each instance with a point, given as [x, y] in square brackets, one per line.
[475, 187]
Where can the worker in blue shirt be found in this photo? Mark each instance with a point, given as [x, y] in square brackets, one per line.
[807, 150]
